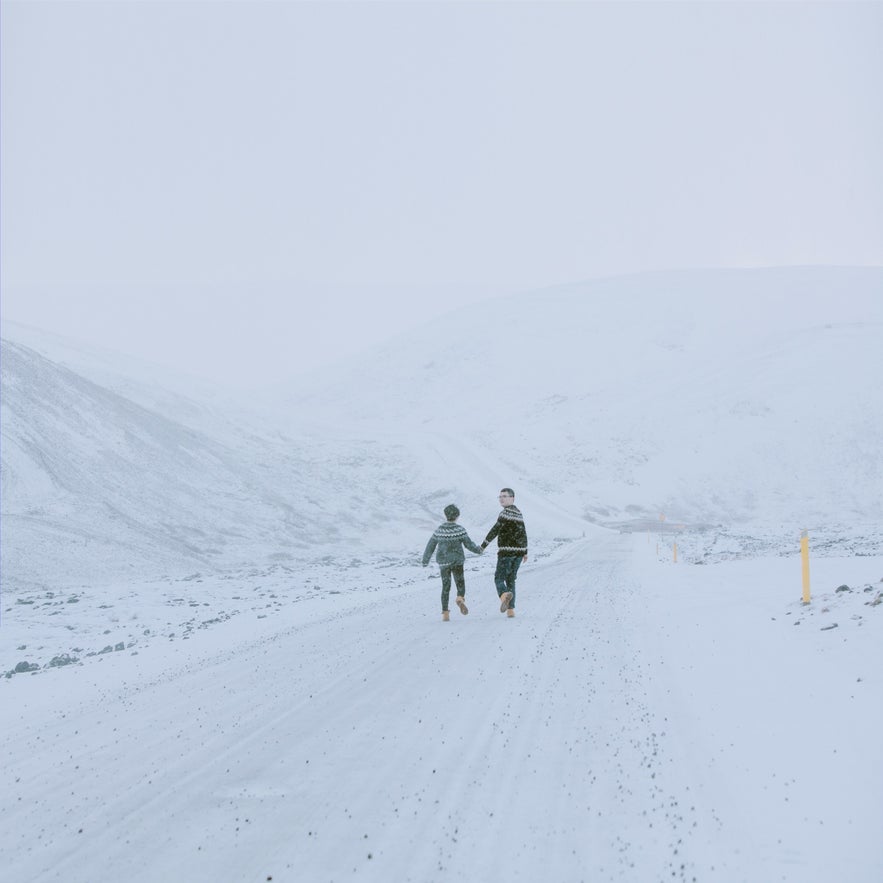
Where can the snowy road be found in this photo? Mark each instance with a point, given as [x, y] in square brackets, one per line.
[362, 738]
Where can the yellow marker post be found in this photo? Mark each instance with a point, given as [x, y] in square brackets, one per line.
[804, 554]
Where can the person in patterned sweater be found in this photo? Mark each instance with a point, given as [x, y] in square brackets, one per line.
[450, 538]
[511, 538]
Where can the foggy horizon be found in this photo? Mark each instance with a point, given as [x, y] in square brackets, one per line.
[178, 177]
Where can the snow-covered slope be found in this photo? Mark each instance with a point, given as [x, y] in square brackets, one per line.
[748, 401]
[193, 401]
[96, 486]
[726, 397]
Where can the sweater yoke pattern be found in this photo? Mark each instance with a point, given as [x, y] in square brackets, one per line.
[510, 532]
[449, 538]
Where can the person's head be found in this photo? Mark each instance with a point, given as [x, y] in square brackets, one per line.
[507, 496]
[452, 513]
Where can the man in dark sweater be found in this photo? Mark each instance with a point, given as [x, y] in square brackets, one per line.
[511, 549]
[450, 538]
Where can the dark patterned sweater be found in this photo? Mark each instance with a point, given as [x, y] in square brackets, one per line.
[450, 538]
[510, 533]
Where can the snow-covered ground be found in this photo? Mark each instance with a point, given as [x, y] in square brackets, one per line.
[224, 662]
[637, 720]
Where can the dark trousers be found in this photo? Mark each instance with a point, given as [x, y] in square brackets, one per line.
[504, 575]
[459, 579]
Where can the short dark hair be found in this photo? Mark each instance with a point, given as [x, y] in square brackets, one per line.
[508, 490]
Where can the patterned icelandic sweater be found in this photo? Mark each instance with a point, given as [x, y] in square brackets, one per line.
[450, 539]
[510, 532]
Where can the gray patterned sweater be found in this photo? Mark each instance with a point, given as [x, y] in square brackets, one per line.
[450, 538]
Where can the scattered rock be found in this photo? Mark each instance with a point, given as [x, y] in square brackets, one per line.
[827, 628]
[843, 588]
[64, 659]
[25, 667]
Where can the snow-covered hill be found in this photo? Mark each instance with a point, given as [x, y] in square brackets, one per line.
[732, 398]
[742, 405]
[97, 487]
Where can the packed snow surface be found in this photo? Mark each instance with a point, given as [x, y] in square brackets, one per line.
[224, 661]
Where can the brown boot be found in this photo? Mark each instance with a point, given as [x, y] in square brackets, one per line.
[445, 616]
[510, 612]
[461, 603]
[505, 598]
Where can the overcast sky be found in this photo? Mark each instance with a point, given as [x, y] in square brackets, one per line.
[274, 184]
